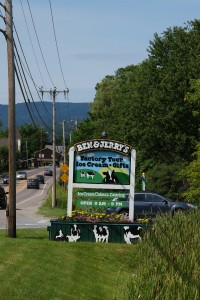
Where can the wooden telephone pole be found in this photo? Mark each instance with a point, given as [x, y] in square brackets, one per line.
[53, 92]
[11, 210]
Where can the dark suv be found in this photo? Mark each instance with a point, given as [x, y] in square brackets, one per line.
[33, 183]
[3, 198]
[147, 204]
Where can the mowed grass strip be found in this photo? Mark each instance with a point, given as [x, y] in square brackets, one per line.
[32, 267]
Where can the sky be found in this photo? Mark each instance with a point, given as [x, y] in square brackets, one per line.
[87, 40]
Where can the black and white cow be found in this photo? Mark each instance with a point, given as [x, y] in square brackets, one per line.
[110, 177]
[90, 175]
[101, 234]
[75, 234]
[60, 236]
[131, 233]
[82, 173]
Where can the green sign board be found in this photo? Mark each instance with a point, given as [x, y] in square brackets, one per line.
[101, 203]
[101, 198]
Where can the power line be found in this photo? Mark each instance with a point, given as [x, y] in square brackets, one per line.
[28, 71]
[24, 96]
[39, 44]
[57, 47]
[18, 57]
[53, 23]
[31, 42]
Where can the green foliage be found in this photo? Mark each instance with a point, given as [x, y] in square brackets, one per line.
[46, 208]
[167, 180]
[169, 266]
[193, 97]
[34, 137]
[192, 173]
[4, 133]
[3, 158]
[84, 131]
[154, 107]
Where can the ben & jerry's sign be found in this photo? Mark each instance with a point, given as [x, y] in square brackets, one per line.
[102, 162]
[102, 145]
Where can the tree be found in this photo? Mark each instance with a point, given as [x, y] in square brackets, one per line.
[145, 105]
[192, 173]
[4, 158]
[33, 137]
[193, 97]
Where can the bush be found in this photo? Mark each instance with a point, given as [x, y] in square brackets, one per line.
[169, 267]
[166, 180]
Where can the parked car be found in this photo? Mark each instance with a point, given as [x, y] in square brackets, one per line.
[48, 172]
[149, 204]
[3, 198]
[6, 179]
[33, 183]
[21, 175]
[40, 178]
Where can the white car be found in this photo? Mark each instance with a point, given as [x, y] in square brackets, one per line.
[21, 175]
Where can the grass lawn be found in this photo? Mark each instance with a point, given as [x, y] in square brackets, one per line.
[165, 266]
[32, 267]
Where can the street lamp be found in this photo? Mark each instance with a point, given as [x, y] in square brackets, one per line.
[104, 134]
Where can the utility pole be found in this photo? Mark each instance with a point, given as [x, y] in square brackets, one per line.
[41, 133]
[53, 93]
[27, 154]
[64, 148]
[64, 151]
[11, 210]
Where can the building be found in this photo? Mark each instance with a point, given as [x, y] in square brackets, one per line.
[44, 157]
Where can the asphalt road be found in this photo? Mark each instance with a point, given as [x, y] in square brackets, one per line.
[27, 203]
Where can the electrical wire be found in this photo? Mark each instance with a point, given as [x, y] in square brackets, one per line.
[32, 43]
[28, 71]
[16, 72]
[19, 59]
[41, 48]
[39, 43]
[57, 47]
[58, 53]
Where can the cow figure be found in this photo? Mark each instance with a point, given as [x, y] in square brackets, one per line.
[110, 177]
[60, 236]
[75, 234]
[101, 234]
[82, 173]
[131, 233]
[90, 175]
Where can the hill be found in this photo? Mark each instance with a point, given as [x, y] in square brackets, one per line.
[41, 113]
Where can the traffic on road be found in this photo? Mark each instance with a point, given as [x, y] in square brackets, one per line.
[28, 200]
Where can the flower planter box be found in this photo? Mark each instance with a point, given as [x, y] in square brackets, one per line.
[96, 232]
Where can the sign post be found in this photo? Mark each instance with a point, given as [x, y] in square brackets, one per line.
[64, 177]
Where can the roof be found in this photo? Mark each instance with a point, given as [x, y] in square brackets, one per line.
[59, 149]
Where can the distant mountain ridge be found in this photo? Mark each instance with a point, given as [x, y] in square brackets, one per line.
[42, 112]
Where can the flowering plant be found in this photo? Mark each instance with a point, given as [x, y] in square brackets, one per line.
[83, 217]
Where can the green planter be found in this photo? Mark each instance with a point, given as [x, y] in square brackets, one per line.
[96, 232]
